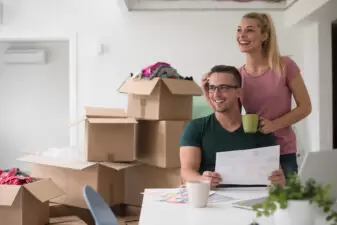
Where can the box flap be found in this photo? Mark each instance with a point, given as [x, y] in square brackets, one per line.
[120, 166]
[99, 112]
[182, 87]
[66, 220]
[112, 120]
[8, 194]
[44, 190]
[139, 87]
[49, 161]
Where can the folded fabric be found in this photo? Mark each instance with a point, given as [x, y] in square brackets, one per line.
[146, 72]
[14, 177]
[165, 72]
[161, 70]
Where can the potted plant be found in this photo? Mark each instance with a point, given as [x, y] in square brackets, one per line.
[294, 203]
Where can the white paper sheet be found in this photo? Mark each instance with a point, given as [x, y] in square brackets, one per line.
[248, 167]
[179, 195]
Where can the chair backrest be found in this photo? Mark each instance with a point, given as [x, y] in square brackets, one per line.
[99, 209]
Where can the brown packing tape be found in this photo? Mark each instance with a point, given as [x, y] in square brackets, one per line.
[111, 157]
[142, 107]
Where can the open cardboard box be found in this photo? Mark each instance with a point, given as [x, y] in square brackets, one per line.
[109, 135]
[27, 204]
[160, 98]
[106, 178]
[117, 183]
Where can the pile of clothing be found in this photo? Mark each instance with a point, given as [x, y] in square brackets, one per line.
[160, 69]
[14, 177]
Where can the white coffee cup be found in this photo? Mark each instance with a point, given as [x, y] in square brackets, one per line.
[198, 193]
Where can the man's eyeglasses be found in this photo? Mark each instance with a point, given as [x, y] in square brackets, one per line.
[221, 87]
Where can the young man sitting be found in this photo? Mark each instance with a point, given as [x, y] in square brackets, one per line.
[221, 131]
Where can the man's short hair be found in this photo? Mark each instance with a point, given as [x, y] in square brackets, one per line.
[228, 69]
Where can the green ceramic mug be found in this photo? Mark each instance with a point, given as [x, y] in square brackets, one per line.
[250, 123]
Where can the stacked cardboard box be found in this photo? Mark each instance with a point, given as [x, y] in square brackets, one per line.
[162, 108]
[126, 152]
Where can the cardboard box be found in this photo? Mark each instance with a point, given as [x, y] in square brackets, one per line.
[127, 210]
[109, 135]
[27, 204]
[158, 142]
[106, 178]
[128, 220]
[141, 177]
[125, 214]
[160, 98]
[66, 220]
[59, 210]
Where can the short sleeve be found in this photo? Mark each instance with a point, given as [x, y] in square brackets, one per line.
[191, 135]
[291, 69]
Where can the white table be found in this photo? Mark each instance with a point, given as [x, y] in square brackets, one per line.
[162, 213]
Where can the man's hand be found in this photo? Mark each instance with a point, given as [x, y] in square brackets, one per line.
[213, 177]
[277, 177]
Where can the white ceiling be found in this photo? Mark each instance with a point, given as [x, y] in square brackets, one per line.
[155, 5]
[200, 0]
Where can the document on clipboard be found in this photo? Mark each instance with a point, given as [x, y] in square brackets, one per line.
[248, 167]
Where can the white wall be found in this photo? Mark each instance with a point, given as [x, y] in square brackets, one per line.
[191, 41]
[301, 9]
[34, 104]
[316, 130]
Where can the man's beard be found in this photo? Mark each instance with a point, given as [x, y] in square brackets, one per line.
[229, 106]
[222, 110]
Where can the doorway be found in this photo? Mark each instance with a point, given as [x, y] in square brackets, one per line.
[334, 80]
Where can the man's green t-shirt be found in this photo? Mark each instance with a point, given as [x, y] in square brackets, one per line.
[207, 134]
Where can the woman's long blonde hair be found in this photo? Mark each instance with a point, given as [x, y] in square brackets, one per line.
[269, 47]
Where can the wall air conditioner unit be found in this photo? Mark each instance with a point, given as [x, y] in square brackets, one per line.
[25, 56]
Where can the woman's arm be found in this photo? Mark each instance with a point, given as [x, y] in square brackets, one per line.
[302, 99]
[204, 81]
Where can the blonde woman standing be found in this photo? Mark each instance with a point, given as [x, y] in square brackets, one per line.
[269, 82]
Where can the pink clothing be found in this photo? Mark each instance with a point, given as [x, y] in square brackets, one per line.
[148, 70]
[269, 96]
